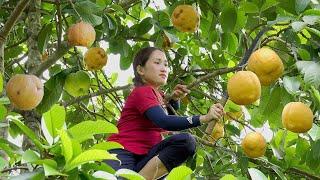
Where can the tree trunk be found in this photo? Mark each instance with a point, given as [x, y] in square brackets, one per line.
[31, 119]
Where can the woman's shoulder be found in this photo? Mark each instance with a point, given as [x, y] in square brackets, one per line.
[142, 89]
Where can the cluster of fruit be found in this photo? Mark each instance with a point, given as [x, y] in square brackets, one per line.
[26, 91]
[244, 87]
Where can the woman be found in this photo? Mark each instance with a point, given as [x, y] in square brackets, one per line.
[145, 116]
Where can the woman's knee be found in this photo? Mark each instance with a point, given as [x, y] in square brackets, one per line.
[188, 143]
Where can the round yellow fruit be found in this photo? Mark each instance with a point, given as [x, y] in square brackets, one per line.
[297, 117]
[25, 91]
[254, 145]
[95, 58]
[185, 18]
[81, 34]
[244, 88]
[217, 132]
[266, 64]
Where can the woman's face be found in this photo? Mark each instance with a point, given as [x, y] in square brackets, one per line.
[155, 71]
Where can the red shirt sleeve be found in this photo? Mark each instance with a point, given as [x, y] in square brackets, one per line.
[145, 98]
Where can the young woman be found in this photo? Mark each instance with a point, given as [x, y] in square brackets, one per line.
[145, 116]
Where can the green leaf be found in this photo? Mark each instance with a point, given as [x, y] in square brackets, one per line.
[49, 162]
[298, 25]
[36, 175]
[125, 62]
[87, 156]
[1, 83]
[316, 95]
[241, 21]
[87, 129]
[76, 147]
[44, 36]
[314, 31]
[233, 43]
[144, 26]
[29, 133]
[117, 8]
[312, 12]
[7, 149]
[129, 174]
[232, 129]
[104, 175]
[3, 112]
[107, 145]
[279, 172]
[3, 164]
[54, 119]
[66, 142]
[162, 18]
[52, 90]
[51, 171]
[29, 156]
[311, 161]
[311, 71]
[301, 5]
[228, 19]
[302, 147]
[268, 4]
[180, 172]
[87, 15]
[232, 107]
[304, 54]
[248, 7]
[256, 174]
[291, 84]
[228, 177]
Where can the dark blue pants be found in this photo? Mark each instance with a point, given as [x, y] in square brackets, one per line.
[172, 152]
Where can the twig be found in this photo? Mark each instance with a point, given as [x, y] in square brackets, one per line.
[104, 91]
[64, 48]
[14, 168]
[13, 18]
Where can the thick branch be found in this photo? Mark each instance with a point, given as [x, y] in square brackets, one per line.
[13, 18]
[64, 48]
[104, 91]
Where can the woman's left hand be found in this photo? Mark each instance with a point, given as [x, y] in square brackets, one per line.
[180, 91]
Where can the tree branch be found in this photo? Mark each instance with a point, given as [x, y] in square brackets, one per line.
[12, 19]
[104, 91]
[64, 48]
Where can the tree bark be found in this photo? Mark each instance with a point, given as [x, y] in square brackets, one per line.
[32, 120]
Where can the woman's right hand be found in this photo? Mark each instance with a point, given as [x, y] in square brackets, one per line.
[215, 113]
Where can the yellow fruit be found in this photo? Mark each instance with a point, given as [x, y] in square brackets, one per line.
[297, 117]
[185, 18]
[254, 145]
[81, 34]
[95, 58]
[25, 91]
[217, 132]
[244, 88]
[266, 64]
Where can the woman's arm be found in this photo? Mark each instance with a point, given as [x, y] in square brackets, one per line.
[171, 122]
[175, 123]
